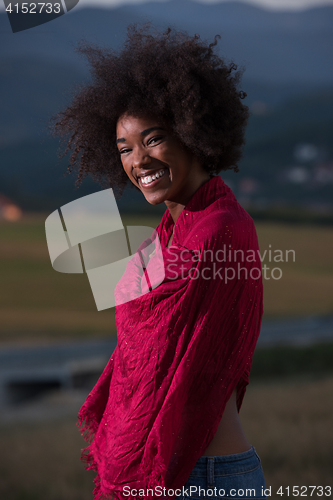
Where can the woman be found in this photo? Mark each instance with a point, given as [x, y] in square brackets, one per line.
[162, 420]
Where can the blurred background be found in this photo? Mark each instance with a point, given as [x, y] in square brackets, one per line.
[54, 343]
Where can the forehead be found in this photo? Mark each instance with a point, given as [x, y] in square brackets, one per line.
[129, 124]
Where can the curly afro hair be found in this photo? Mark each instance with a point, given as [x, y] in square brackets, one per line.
[170, 75]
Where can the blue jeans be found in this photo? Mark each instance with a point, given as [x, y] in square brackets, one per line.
[235, 476]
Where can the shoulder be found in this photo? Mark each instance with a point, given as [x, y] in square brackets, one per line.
[225, 224]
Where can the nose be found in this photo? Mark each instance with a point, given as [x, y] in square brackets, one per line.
[140, 157]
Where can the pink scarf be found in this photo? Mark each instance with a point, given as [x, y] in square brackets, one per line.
[182, 350]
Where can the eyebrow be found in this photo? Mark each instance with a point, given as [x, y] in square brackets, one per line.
[144, 132]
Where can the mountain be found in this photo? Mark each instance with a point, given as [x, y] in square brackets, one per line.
[274, 46]
[284, 53]
[34, 176]
[32, 91]
[36, 89]
[288, 77]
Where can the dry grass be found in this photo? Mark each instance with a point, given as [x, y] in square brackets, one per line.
[36, 325]
[42, 463]
[306, 286]
[37, 301]
[289, 423]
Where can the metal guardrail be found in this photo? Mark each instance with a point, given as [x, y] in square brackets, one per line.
[28, 372]
[302, 331]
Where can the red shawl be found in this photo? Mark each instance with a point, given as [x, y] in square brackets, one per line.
[182, 349]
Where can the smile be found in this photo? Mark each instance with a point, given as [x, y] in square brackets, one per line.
[151, 180]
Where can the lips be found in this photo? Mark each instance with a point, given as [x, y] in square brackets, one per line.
[147, 180]
[150, 172]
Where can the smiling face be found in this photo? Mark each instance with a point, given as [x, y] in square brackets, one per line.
[157, 162]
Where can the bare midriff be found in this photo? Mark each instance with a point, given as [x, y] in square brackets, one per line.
[229, 437]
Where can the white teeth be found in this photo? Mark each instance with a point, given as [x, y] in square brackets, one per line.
[150, 178]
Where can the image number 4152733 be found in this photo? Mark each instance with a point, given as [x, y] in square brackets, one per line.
[26, 15]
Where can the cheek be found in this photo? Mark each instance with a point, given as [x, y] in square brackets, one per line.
[162, 151]
[173, 153]
[128, 170]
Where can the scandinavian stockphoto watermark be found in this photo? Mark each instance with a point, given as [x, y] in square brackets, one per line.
[227, 263]
[122, 263]
[26, 15]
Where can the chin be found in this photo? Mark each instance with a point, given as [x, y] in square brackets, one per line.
[156, 201]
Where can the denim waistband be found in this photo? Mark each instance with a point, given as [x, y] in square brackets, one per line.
[228, 458]
[229, 471]
[224, 465]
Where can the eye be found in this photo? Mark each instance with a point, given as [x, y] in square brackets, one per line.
[154, 139]
[125, 150]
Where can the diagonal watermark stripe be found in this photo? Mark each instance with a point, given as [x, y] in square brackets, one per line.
[87, 235]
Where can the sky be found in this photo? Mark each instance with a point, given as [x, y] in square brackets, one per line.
[269, 4]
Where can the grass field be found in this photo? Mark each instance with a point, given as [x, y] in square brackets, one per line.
[289, 423]
[287, 419]
[38, 303]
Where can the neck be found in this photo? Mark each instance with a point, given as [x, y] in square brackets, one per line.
[176, 208]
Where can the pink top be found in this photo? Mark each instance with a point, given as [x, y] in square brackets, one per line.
[182, 350]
